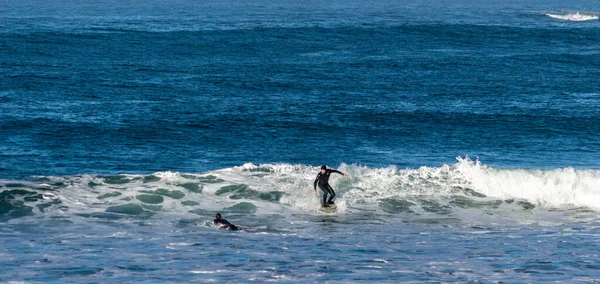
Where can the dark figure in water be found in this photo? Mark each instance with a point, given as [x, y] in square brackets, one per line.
[226, 225]
[323, 181]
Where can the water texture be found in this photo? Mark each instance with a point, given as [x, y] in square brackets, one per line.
[469, 130]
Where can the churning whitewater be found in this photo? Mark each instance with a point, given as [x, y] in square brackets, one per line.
[286, 189]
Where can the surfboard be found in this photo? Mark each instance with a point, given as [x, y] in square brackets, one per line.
[331, 209]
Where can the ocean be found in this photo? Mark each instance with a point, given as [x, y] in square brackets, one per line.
[469, 131]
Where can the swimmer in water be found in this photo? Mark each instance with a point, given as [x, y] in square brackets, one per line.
[225, 224]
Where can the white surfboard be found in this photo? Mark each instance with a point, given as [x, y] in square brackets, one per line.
[330, 209]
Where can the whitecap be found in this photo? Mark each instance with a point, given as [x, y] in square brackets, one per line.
[573, 16]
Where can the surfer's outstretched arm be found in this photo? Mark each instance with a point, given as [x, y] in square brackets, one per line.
[338, 172]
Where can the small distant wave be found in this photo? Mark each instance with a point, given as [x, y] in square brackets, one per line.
[573, 16]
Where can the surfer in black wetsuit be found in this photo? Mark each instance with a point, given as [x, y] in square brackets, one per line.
[226, 225]
[323, 181]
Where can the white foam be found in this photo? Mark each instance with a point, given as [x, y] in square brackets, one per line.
[573, 16]
[365, 188]
[551, 188]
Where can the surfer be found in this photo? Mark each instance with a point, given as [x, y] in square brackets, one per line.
[323, 181]
[225, 223]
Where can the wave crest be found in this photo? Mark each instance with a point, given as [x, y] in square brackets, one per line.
[287, 189]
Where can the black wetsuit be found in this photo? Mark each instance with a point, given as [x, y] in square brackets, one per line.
[323, 181]
[226, 224]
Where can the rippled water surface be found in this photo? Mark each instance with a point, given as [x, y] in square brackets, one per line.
[469, 131]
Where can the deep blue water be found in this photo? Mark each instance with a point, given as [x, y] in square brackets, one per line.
[128, 122]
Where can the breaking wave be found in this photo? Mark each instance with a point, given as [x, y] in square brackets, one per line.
[287, 189]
